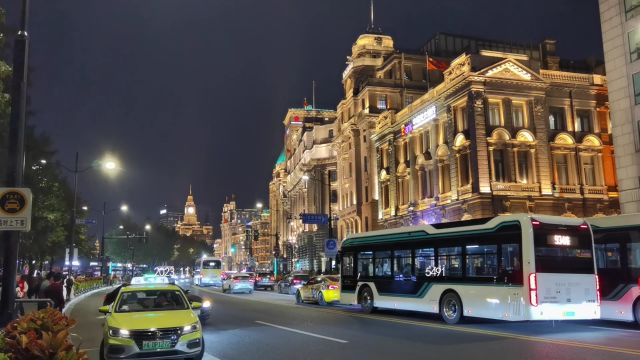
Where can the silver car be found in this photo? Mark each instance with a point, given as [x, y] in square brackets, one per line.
[239, 282]
[291, 284]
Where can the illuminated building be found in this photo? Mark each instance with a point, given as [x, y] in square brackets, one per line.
[234, 243]
[190, 226]
[506, 129]
[169, 218]
[262, 242]
[621, 39]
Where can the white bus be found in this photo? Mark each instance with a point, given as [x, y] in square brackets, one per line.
[617, 245]
[210, 271]
[510, 267]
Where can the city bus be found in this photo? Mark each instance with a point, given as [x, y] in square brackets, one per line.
[617, 249]
[210, 270]
[509, 267]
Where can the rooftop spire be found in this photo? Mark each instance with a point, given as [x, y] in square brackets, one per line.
[189, 189]
[372, 28]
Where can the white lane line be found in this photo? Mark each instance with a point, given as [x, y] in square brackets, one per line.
[208, 356]
[302, 332]
[614, 329]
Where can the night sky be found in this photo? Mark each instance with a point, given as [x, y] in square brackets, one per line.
[195, 91]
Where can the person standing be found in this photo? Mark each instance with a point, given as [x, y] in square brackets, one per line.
[68, 284]
[21, 291]
[55, 292]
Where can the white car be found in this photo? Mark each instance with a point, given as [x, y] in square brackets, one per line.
[239, 282]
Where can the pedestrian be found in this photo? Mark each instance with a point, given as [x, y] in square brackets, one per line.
[21, 291]
[68, 284]
[34, 286]
[55, 292]
[43, 287]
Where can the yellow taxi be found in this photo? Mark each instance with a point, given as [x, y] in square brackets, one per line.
[151, 321]
[322, 289]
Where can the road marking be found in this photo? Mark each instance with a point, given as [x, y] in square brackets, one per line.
[302, 332]
[100, 317]
[460, 329]
[614, 329]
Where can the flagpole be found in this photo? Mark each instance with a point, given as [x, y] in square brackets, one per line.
[426, 53]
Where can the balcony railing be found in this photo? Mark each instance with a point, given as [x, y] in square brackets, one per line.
[570, 77]
[500, 188]
[567, 190]
[464, 190]
[594, 191]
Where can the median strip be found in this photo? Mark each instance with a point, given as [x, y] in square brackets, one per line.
[302, 332]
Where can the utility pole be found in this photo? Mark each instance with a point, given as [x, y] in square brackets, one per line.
[15, 173]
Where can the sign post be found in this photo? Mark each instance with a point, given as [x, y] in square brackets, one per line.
[15, 209]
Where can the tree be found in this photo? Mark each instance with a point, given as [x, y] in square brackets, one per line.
[156, 248]
[188, 249]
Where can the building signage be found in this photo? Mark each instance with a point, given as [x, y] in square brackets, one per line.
[319, 219]
[15, 209]
[86, 221]
[424, 117]
[406, 129]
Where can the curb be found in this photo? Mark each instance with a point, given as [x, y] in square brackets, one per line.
[68, 308]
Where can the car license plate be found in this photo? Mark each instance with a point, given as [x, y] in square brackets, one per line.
[156, 345]
[569, 313]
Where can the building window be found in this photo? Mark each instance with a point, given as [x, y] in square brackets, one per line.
[333, 175]
[461, 118]
[445, 177]
[499, 166]
[523, 166]
[366, 223]
[330, 133]
[385, 196]
[517, 114]
[562, 169]
[636, 87]
[366, 194]
[426, 141]
[334, 196]
[557, 119]
[495, 113]
[634, 44]
[463, 170]
[366, 164]
[583, 118]
[631, 8]
[350, 170]
[408, 99]
[588, 170]
[382, 102]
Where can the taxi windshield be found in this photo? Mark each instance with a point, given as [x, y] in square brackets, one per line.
[151, 300]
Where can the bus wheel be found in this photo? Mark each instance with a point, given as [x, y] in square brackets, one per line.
[636, 310]
[366, 300]
[451, 308]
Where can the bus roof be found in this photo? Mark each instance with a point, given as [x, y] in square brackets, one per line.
[614, 221]
[484, 224]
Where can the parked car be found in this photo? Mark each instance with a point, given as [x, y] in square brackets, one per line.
[291, 283]
[320, 289]
[239, 282]
[265, 280]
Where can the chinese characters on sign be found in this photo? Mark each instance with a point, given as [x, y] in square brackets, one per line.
[320, 219]
[15, 209]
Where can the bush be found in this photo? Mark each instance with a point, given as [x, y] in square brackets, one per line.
[40, 335]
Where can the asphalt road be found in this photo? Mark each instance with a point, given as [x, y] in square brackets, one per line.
[265, 325]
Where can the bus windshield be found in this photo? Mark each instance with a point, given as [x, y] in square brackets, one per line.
[211, 264]
[563, 249]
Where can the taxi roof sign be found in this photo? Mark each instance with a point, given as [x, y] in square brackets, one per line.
[15, 209]
[138, 280]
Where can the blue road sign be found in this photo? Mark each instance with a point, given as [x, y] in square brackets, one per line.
[320, 219]
[330, 247]
[86, 221]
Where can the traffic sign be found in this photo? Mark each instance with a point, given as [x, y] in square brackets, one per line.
[86, 221]
[15, 209]
[330, 248]
[320, 219]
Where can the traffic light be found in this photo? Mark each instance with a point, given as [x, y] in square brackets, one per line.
[234, 248]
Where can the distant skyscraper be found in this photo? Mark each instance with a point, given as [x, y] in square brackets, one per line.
[169, 217]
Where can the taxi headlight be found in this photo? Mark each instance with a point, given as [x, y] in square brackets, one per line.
[191, 328]
[115, 332]
[206, 303]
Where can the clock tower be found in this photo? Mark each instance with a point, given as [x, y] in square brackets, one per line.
[190, 214]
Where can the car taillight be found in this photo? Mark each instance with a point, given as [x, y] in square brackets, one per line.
[598, 288]
[259, 278]
[533, 289]
[272, 278]
[298, 281]
[584, 226]
[332, 287]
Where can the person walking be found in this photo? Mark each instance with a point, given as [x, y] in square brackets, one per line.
[68, 285]
[43, 287]
[55, 292]
[21, 292]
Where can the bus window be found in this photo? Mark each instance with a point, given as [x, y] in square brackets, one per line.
[402, 269]
[608, 256]
[425, 259]
[563, 249]
[482, 260]
[347, 264]
[451, 259]
[211, 264]
[365, 264]
[633, 251]
[383, 263]
[511, 264]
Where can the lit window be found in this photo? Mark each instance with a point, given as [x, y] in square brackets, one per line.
[382, 102]
[583, 119]
[494, 113]
[588, 170]
[461, 118]
[408, 100]
[517, 112]
[499, 166]
[557, 118]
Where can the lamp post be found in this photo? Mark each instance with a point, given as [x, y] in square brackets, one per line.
[108, 165]
[123, 208]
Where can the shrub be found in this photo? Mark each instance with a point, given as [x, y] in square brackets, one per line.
[40, 335]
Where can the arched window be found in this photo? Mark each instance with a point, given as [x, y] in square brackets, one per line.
[499, 156]
[591, 166]
[444, 173]
[461, 147]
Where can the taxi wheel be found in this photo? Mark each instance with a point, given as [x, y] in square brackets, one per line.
[201, 354]
[101, 354]
[321, 300]
[636, 311]
[299, 298]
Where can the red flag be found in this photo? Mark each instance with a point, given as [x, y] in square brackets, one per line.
[433, 64]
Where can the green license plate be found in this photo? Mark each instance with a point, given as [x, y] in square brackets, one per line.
[156, 345]
[569, 313]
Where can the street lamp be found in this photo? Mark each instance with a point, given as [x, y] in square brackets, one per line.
[85, 208]
[123, 208]
[147, 227]
[259, 205]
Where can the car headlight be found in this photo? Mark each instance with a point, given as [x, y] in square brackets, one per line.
[115, 332]
[206, 304]
[191, 328]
